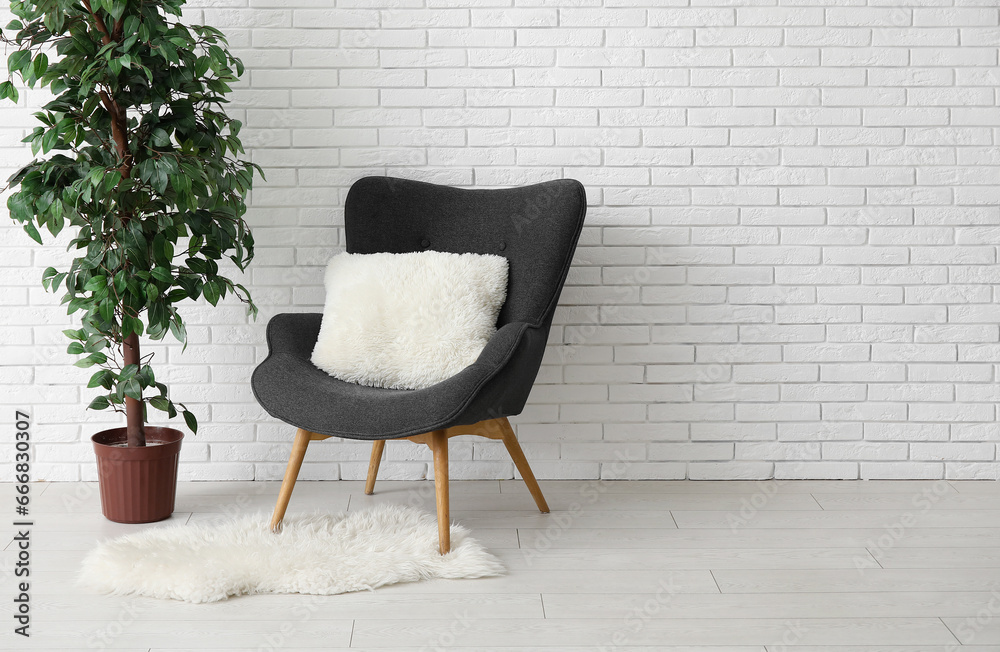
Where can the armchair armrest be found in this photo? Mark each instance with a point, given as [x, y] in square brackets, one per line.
[294, 333]
[502, 345]
[506, 370]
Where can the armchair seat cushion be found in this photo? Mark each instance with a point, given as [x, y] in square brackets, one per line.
[291, 388]
[408, 321]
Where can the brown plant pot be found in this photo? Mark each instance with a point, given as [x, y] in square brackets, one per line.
[138, 484]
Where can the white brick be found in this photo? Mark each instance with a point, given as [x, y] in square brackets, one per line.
[786, 16]
[974, 432]
[836, 36]
[905, 432]
[868, 16]
[837, 450]
[730, 470]
[785, 56]
[777, 451]
[671, 50]
[587, 17]
[676, 373]
[953, 451]
[643, 471]
[732, 431]
[777, 412]
[604, 451]
[816, 470]
[691, 451]
[902, 470]
[557, 432]
[559, 37]
[905, 117]
[521, 17]
[936, 17]
[448, 38]
[693, 17]
[771, 295]
[915, 36]
[776, 96]
[972, 470]
[645, 431]
[823, 392]
[739, 36]
[951, 412]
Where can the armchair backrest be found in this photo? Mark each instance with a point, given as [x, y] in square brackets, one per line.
[535, 227]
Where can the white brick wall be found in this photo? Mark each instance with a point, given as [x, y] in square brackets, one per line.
[790, 262]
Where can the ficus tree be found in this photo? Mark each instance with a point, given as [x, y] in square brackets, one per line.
[136, 154]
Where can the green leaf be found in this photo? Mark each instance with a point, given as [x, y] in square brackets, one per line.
[129, 371]
[115, 8]
[96, 175]
[111, 179]
[8, 91]
[163, 249]
[107, 310]
[160, 403]
[178, 330]
[30, 229]
[132, 389]
[40, 65]
[95, 343]
[18, 60]
[201, 66]
[99, 403]
[75, 348]
[160, 138]
[102, 378]
[130, 25]
[191, 421]
[161, 273]
[75, 304]
[91, 360]
[211, 292]
[96, 283]
[74, 334]
[50, 140]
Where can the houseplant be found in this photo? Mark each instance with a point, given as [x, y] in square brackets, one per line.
[139, 158]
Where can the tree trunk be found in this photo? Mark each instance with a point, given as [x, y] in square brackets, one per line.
[136, 432]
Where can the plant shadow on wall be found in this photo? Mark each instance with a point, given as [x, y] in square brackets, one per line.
[140, 158]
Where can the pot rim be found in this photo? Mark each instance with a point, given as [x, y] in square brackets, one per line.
[164, 439]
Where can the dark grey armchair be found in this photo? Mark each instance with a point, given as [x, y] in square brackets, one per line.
[535, 227]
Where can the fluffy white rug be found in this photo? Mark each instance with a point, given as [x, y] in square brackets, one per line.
[319, 554]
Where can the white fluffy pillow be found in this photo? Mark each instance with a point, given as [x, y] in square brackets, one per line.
[408, 321]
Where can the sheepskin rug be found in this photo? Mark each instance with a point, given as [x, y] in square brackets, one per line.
[321, 554]
[408, 321]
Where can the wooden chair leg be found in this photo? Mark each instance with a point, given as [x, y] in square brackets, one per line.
[302, 438]
[521, 462]
[439, 444]
[376, 459]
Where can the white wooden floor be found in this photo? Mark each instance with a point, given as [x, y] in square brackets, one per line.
[808, 566]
